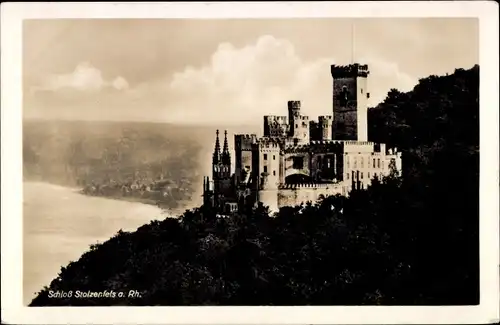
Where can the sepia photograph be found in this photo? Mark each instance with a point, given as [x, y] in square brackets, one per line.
[252, 161]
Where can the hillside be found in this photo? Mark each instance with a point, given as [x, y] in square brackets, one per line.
[403, 241]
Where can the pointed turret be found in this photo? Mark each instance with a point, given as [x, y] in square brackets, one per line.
[226, 156]
[216, 155]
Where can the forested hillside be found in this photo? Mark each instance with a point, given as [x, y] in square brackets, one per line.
[403, 241]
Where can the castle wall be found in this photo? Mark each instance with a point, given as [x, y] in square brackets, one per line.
[324, 166]
[270, 199]
[295, 195]
[290, 169]
[369, 165]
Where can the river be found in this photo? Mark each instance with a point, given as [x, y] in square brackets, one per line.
[60, 225]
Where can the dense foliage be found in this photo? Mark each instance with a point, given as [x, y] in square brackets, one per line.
[405, 240]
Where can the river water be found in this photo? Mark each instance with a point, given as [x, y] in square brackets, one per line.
[60, 225]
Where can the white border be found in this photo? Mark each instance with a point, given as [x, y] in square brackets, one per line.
[11, 216]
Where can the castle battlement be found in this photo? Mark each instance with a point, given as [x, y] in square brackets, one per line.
[244, 142]
[294, 104]
[246, 136]
[324, 142]
[297, 149]
[267, 142]
[325, 118]
[308, 186]
[357, 143]
[351, 70]
[276, 118]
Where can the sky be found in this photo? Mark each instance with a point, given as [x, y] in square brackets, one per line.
[204, 71]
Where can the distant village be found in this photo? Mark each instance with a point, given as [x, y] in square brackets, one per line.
[160, 192]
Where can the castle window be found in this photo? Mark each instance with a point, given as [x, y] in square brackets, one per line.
[355, 162]
[378, 163]
[274, 173]
[274, 157]
[265, 169]
[361, 90]
[347, 176]
[373, 162]
[298, 162]
[361, 175]
[265, 156]
[368, 174]
[362, 162]
[367, 95]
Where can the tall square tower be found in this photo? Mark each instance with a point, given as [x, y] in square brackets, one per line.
[350, 102]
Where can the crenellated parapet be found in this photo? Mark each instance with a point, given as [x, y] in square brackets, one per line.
[325, 119]
[308, 186]
[326, 146]
[294, 104]
[299, 148]
[276, 119]
[349, 71]
[244, 142]
[267, 144]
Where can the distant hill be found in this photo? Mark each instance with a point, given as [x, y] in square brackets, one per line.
[75, 153]
[410, 240]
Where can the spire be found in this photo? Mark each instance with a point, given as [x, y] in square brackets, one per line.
[226, 156]
[226, 147]
[216, 155]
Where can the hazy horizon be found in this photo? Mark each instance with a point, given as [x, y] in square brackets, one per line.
[193, 72]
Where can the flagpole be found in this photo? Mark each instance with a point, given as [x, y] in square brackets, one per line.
[352, 42]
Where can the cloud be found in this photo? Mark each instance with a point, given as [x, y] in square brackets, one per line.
[120, 83]
[242, 84]
[85, 77]
[238, 85]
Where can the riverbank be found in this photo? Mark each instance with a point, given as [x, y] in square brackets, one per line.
[60, 224]
[182, 206]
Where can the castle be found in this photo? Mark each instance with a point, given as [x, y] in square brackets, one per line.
[298, 160]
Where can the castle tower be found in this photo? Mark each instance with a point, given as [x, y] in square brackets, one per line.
[267, 163]
[350, 102]
[298, 124]
[326, 127]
